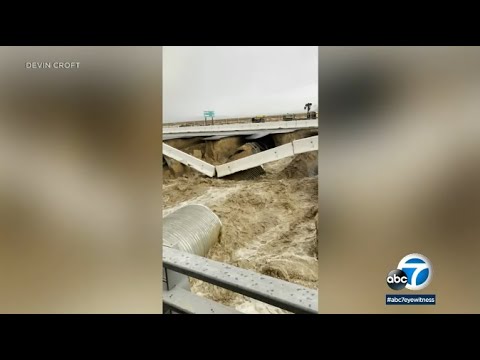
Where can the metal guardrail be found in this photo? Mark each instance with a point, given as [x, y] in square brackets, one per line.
[183, 301]
[276, 292]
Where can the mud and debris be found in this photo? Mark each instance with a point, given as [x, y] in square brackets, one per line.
[269, 223]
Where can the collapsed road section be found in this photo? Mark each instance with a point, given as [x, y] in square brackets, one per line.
[264, 192]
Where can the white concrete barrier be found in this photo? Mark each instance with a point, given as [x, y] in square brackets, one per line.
[295, 124]
[293, 148]
[189, 160]
[276, 153]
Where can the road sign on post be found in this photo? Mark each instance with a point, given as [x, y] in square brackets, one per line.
[208, 113]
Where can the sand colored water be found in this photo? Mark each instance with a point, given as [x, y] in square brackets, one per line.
[269, 226]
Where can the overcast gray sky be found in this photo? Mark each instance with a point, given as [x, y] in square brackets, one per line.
[236, 81]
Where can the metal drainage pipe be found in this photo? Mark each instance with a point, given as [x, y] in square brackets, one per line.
[192, 228]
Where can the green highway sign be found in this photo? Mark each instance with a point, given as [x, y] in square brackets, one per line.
[209, 113]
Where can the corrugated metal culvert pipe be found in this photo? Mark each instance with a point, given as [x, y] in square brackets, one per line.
[192, 228]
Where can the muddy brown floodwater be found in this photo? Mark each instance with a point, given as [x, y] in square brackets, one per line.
[269, 224]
